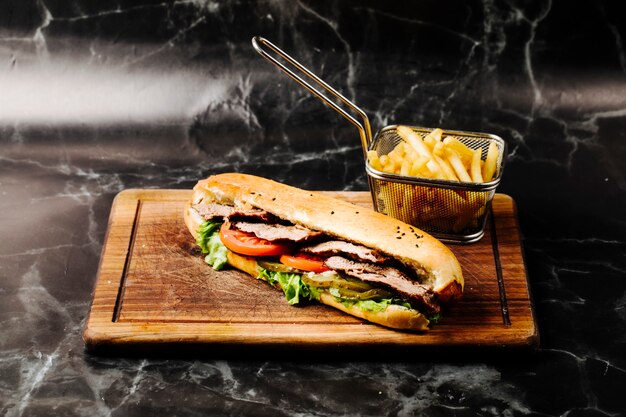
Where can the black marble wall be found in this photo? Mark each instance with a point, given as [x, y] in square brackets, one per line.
[100, 96]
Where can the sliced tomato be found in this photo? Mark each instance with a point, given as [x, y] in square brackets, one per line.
[305, 262]
[248, 244]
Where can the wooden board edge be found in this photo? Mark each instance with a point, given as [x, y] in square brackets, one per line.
[91, 331]
[94, 338]
[532, 338]
[350, 336]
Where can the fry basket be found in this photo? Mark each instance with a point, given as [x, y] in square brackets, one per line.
[452, 211]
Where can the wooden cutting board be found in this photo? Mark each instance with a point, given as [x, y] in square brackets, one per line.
[154, 291]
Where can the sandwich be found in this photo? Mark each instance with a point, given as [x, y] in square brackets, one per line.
[317, 248]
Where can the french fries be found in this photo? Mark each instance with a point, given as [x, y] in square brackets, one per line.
[435, 156]
[489, 167]
[433, 209]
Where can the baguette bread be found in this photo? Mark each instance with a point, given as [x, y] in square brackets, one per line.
[434, 265]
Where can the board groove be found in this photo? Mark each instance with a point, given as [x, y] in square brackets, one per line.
[131, 244]
[504, 306]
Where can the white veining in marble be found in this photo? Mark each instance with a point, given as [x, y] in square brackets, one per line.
[91, 105]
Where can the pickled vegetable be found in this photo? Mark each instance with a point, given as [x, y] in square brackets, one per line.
[334, 280]
[348, 294]
[278, 267]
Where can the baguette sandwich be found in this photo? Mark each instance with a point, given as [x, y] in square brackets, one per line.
[317, 248]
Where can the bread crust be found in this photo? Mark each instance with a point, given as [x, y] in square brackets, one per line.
[434, 264]
[396, 317]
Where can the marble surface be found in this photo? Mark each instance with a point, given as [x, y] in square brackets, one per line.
[100, 96]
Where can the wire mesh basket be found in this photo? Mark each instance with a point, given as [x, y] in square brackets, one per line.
[449, 210]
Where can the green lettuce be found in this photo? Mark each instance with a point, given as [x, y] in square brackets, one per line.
[210, 243]
[373, 305]
[434, 319]
[206, 230]
[295, 290]
[217, 253]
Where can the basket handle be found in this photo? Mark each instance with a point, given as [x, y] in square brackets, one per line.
[365, 131]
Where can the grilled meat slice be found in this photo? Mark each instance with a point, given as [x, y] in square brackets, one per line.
[387, 277]
[349, 250]
[272, 232]
[210, 211]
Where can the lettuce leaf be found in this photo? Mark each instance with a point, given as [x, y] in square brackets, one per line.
[373, 305]
[295, 290]
[210, 243]
[217, 252]
[206, 230]
[434, 319]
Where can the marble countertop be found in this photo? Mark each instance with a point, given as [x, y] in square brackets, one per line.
[99, 97]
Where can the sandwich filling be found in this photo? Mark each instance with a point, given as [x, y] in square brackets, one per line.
[305, 263]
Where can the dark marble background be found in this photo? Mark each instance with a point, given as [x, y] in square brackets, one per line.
[100, 96]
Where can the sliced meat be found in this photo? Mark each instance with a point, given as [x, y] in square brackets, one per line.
[274, 232]
[387, 277]
[350, 250]
[210, 211]
[252, 214]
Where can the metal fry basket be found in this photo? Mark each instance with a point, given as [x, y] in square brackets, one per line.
[452, 211]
